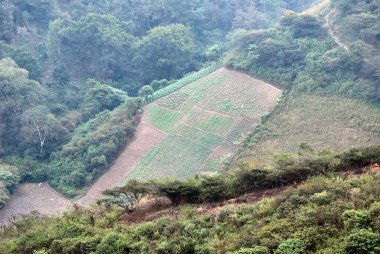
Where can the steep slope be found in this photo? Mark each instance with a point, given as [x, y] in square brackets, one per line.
[200, 122]
[316, 122]
[203, 121]
[145, 138]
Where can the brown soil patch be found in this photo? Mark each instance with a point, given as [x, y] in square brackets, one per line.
[146, 138]
[34, 197]
[222, 150]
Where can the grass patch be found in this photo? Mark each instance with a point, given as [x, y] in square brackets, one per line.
[212, 123]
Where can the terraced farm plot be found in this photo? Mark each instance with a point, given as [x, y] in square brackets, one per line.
[202, 121]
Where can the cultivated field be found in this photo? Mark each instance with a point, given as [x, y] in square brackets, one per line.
[203, 121]
[324, 122]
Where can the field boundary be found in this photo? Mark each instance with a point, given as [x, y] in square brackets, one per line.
[183, 82]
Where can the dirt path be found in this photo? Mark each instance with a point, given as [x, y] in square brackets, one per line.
[333, 31]
[34, 197]
[145, 138]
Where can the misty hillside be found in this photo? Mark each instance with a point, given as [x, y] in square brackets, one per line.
[141, 126]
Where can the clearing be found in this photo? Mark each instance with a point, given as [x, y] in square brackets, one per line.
[34, 197]
[203, 122]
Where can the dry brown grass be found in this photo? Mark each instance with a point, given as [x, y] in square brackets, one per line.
[324, 122]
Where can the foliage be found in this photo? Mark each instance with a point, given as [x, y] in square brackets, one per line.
[286, 170]
[301, 57]
[126, 197]
[15, 86]
[103, 32]
[9, 178]
[288, 222]
[166, 52]
[93, 147]
[99, 97]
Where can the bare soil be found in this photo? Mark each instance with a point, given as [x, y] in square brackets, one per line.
[146, 138]
[34, 197]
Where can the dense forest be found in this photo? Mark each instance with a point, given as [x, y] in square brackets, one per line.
[75, 75]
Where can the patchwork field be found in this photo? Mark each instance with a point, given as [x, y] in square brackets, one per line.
[323, 122]
[202, 122]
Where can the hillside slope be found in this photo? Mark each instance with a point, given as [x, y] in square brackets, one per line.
[202, 122]
[315, 122]
[337, 213]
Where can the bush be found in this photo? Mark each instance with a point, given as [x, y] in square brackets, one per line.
[291, 246]
[356, 219]
[362, 241]
[93, 145]
[254, 250]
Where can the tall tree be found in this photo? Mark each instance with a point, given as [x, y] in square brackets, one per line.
[165, 52]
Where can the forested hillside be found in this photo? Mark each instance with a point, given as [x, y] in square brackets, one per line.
[64, 62]
[77, 77]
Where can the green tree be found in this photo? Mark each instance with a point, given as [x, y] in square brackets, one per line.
[41, 131]
[146, 92]
[165, 52]
[17, 93]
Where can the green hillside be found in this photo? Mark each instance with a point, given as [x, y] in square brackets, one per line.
[271, 147]
[203, 120]
[335, 212]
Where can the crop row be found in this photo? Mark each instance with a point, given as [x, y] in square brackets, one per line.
[161, 162]
[183, 82]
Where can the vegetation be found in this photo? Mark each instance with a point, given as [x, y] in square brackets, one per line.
[206, 114]
[93, 147]
[67, 64]
[67, 69]
[301, 56]
[9, 178]
[345, 123]
[285, 170]
[325, 214]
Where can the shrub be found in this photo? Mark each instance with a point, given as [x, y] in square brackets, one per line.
[356, 219]
[253, 250]
[362, 241]
[291, 246]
